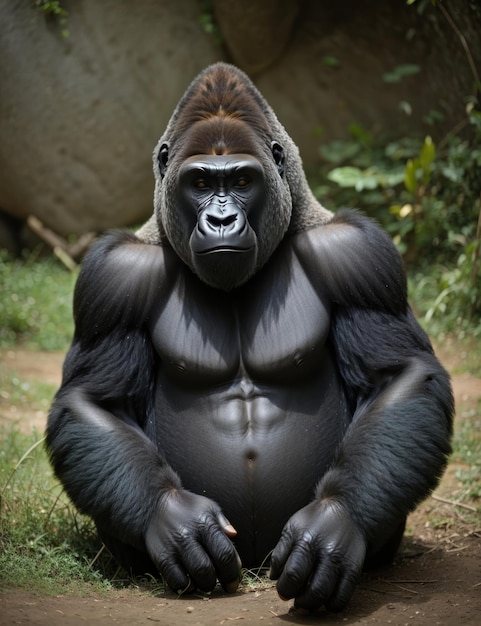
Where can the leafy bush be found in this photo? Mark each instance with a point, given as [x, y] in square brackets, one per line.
[428, 198]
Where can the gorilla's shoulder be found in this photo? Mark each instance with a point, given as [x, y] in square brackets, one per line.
[120, 273]
[355, 262]
[123, 260]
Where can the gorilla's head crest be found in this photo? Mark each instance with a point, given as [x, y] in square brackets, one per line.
[227, 174]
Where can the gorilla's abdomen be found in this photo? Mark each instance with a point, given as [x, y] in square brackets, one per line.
[258, 451]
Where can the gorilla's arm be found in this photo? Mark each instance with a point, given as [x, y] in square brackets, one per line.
[397, 444]
[95, 432]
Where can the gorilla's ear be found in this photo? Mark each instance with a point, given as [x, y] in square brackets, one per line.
[279, 157]
[163, 158]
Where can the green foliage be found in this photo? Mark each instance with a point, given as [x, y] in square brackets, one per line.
[399, 72]
[421, 4]
[36, 303]
[427, 197]
[209, 23]
[331, 61]
[51, 7]
[54, 10]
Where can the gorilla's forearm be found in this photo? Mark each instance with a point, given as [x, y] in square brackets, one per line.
[110, 469]
[395, 450]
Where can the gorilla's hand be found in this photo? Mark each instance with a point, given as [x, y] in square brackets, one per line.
[187, 540]
[319, 557]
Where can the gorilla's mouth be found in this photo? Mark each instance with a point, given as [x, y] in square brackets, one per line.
[224, 248]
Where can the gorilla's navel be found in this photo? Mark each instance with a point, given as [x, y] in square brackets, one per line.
[251, 457]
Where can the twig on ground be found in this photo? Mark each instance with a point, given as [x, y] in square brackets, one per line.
[67, 253]
[453, 503]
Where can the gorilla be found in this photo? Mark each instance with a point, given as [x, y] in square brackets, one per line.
[247, 383]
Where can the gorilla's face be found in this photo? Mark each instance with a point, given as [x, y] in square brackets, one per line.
[220, 201]
[222, 224]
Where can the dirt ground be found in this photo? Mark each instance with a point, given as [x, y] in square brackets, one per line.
[435, 580]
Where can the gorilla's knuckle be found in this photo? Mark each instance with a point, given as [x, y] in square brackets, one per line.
[293, 577]
[165, 562]
[203, 571]
[305, 545]
[225, 554]
[321, 586]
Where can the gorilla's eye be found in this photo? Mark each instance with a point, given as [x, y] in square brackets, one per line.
[200, 184]
[242, 182]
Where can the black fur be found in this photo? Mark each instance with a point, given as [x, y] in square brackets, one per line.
[300, 398]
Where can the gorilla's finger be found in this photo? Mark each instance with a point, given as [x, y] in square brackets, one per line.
[345, 589]
[175, 575]
[198, 565]
[297, 570]
[280, 555]
[322, 585]
[223, 554]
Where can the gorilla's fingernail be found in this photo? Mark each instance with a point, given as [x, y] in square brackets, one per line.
[230, 530]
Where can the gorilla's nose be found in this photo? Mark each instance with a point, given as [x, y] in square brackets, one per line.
[222, 221]
[222, 227]
[218, 223]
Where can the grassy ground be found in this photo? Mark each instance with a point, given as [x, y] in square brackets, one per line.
[35, 303]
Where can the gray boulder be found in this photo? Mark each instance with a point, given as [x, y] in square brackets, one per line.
[79, 116]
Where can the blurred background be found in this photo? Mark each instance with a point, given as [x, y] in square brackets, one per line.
[381, 97]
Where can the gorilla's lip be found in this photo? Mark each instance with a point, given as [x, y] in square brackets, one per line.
[224, 248]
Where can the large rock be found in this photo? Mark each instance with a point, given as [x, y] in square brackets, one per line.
[79, 116]
[256, 33]
[328, 61]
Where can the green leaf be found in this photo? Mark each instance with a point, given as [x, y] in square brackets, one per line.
[361, 134]
[426, 157]
[410, 176]
[400, 72]
[428, 153]
[454, 174]
[331, 61]
[346, 176]
[368, 181]
[339, 151]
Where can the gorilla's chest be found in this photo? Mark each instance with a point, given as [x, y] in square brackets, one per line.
[247, 397]
[273, 329]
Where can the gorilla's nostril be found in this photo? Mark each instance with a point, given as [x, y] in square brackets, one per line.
[218, 222]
